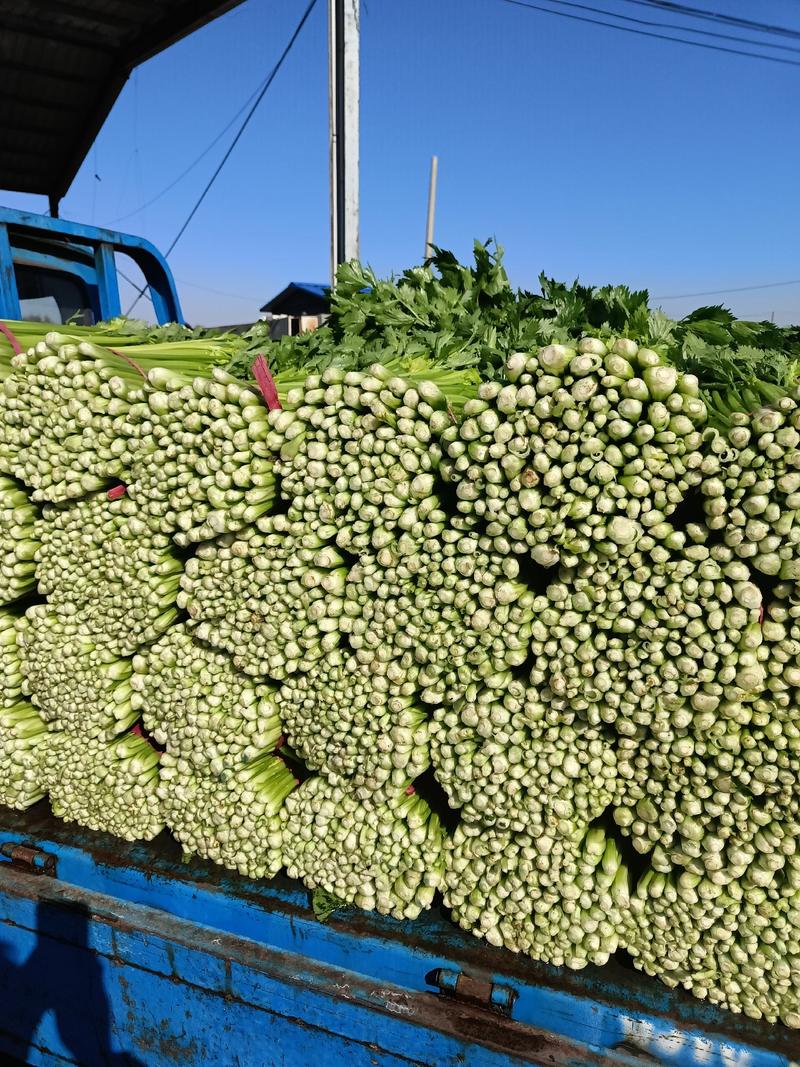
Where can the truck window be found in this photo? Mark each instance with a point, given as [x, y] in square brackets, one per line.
[52, 296]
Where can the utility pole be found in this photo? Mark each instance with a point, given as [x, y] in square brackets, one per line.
[344, 93]
[431, 207]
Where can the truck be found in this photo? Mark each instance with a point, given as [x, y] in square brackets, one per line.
[112, 953]
[56, 271]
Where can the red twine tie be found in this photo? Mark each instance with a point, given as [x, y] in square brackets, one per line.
[265, 382]
[11, 337]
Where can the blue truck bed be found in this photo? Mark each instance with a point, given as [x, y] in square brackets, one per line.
[122, 954]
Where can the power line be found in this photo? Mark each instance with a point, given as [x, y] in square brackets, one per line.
[714, 16]
[722, 292]
[645, 33]
[219, 292]
[192, 285]
[133, 284]
[272, 75]
[190, 168]
[682, 29]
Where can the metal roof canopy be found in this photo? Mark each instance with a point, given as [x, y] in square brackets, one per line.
[300, 298]
[63, 63]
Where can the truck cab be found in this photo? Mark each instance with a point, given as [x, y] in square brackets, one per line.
[52, 270]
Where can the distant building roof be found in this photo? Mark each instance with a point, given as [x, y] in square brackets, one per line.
[301, 298]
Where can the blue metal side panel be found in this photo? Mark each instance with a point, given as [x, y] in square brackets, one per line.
[141, 1017]
[107, 283]
[94, 982]
[584, 1018]
[259, 945]
[9, 297]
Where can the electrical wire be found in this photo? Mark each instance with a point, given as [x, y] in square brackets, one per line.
[645, 33]
[135, 285]
[219, 292]
[735, 289]
[271, 77]
[715, 16]
[190, 168]
[192, 285]
[683, 29]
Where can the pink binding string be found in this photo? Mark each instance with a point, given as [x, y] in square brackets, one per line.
[265, 382]
[137, 731]
[117, 492]
[129, 361]
[16, 346]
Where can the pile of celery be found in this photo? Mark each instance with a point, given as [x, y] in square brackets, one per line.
[502, 602]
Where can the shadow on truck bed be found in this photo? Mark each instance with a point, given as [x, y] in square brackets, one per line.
[62, 975]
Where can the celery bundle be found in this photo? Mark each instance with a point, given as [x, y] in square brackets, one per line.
[109, 786]
[18, 543]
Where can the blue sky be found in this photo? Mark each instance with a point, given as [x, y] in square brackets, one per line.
[585, 151]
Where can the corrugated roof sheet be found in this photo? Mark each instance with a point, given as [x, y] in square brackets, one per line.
[62, 65]
[300, 298]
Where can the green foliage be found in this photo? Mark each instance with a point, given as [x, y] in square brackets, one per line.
[325, 904]
[147, 333]
[459, 316]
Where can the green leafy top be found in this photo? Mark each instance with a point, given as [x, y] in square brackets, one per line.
[324, 904]
[459, 316]
[146, 333]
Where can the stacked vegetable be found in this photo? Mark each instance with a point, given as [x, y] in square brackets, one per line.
[211, 717]
[752, 489]
[513, 762]
[79, 686]
[437, 609]
[18, 542]
[107, 786]
[357, 453]
[559, 897]
[221, 787]
[346, 721]
[64, 410]
[77, 414]
[234, 818]
[385, 856]
[201, 464]
[102, 567]
[76, 419]
[11, 676]
[22, 729]
[531, 559]
[23, 749]
[583, 455]
[734, 944]
[270, 596]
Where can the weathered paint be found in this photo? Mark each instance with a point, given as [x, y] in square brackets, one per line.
[91, 978]
[9, 297]
[200, 966]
